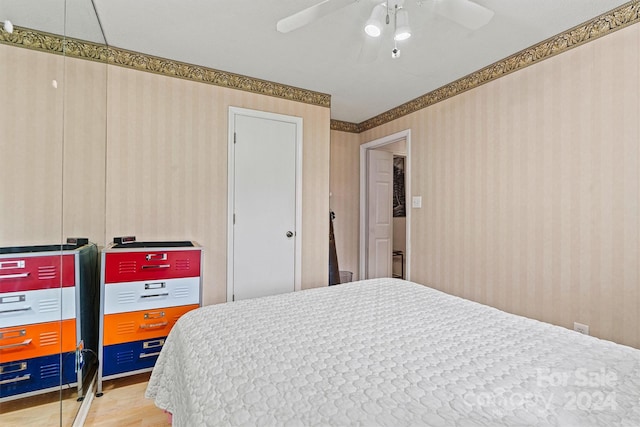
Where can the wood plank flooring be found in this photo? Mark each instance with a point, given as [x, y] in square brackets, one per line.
[124, 405]
[58, 408]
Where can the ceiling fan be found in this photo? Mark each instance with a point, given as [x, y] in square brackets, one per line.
[464, 12]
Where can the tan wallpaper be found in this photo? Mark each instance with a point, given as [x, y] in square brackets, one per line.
[52, 143]
[531, 190]
[167, 168]
[85, 127]
[30, 147]
[345, 197]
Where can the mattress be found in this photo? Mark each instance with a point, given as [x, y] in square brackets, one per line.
[388, 352]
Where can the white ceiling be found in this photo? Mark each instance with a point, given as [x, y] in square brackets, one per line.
[240, 36]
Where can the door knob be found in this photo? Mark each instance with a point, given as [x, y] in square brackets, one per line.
[289, 234]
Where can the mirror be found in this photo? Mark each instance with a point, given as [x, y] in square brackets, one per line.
[52, 187]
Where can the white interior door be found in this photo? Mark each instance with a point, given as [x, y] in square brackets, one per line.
[264, 207]
[364, 197]
[380, 213]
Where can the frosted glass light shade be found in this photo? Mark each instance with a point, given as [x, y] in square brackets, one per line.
[403, 31]
[375, 22]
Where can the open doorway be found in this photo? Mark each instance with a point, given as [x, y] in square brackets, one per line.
[385, 220]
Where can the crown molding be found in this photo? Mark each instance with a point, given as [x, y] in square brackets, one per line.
[166, 67]
[51, 43]
[345, 126]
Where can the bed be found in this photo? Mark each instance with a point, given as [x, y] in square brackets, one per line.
[388, 352]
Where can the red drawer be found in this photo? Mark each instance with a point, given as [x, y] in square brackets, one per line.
[151, 265]
[30, 273]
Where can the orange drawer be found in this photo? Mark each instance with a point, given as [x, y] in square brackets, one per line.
[40, 339]
[141, 325]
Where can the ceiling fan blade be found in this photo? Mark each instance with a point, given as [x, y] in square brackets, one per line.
[464, 12]
[310, 14]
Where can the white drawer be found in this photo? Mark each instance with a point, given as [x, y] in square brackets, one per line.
[39, 306]
[150, 294]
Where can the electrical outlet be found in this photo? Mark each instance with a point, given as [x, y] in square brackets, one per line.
[579, 327]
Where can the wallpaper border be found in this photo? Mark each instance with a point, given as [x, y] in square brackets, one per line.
[51, 43]
[345, 126]
[619, 18]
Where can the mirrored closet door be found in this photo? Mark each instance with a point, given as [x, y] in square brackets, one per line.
[52, 184]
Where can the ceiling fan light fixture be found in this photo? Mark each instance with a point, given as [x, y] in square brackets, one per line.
[374, 24]
[403, 30]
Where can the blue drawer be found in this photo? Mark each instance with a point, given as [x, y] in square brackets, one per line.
[130, 356]
[39, 373]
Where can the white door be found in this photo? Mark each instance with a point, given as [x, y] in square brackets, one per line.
[264, 206]
[380, 213]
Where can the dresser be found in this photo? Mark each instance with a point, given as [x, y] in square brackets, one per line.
[48, 318]
[145, 288]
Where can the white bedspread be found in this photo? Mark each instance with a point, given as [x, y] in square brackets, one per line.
[392, 353]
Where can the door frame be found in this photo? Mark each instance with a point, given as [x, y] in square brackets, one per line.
[364, 192]
[297, 121]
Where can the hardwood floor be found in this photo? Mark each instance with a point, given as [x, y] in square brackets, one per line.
[124, 405]
[58, 408]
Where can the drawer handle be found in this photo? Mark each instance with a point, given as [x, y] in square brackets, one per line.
[13, 334]
[12, 299]
[20, 344]
[158, 285]
[14, 310]
[153, 344]
[154, 315]
[5, 265]
[143, 355]
[166, 294]
[156, 266]
[156, 257]
[154, 325]
[16, 379]
[14, 276]
[11, 369]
